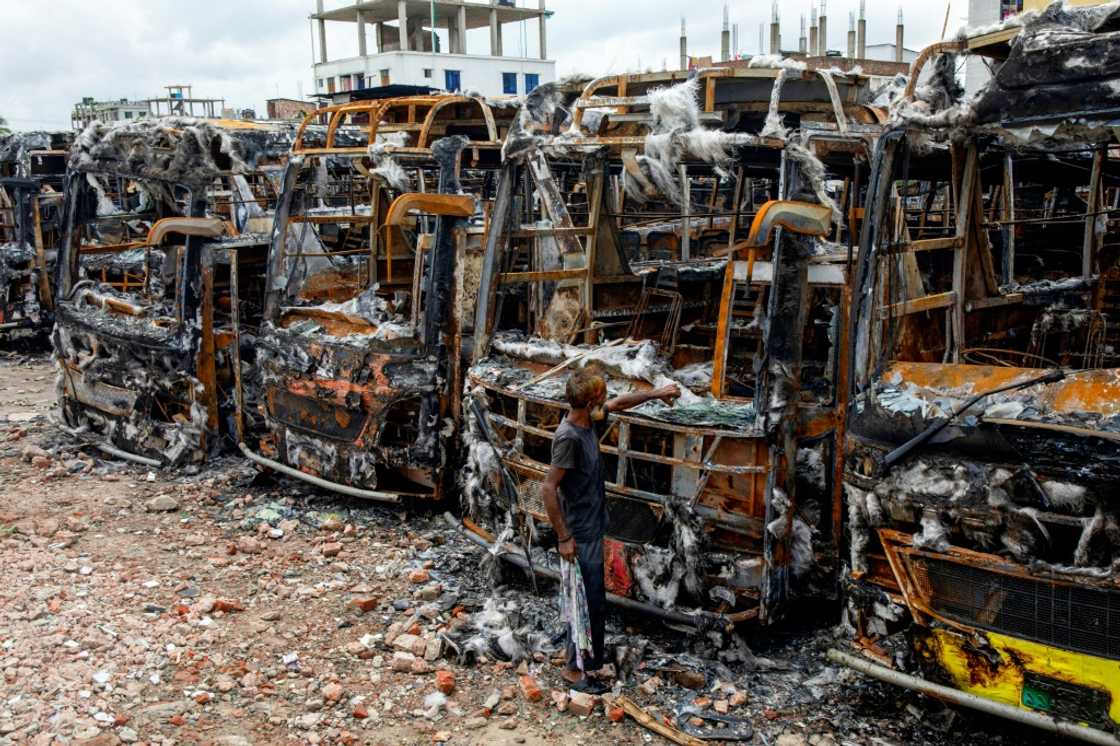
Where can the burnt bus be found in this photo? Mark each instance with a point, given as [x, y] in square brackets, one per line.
[32, 168]
[983, 443]
[690, 230]
[373, 260]
[157, 285]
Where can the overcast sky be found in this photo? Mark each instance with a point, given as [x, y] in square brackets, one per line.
[247, 51]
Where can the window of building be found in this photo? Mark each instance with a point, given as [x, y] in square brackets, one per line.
[321, 84]
[532, 80]
[330, 85]
[385, 76]
[428, 72]
[453, 80]
[128, 115]
[359, 81]
[346, 81]
[509, 83]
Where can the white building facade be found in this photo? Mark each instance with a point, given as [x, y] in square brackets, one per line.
[404, 50]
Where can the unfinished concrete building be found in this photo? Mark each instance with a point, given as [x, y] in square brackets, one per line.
[418, 42]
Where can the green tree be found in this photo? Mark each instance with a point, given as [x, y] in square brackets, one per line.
[4, 126]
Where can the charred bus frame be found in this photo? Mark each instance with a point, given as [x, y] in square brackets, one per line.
[154, 283]
[32, 168]
[360, 352]
[983, 447]
[597, 235]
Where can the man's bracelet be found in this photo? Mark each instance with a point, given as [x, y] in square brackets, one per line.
[566, 538]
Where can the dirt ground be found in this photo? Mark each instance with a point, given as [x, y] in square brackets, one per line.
[225, 607]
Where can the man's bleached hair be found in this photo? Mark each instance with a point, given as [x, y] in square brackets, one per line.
[585, 386]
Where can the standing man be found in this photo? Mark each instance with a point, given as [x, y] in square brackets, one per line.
[575, 499]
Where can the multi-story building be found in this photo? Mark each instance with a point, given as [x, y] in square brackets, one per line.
[178, 101]
[289, 108]
[120, 110]
[408, 46]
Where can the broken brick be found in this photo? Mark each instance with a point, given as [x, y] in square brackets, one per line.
[331, 549]
[559, 699]
[402, 661]
[418, 576]
[361, 712]
[616, 714]
[364, 605]
[581, 703]
[530, 688]
[445, 681]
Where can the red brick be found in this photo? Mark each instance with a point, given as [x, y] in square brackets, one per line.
[445, 681]
[530, 688]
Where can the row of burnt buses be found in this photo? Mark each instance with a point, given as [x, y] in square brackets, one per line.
[897, 339]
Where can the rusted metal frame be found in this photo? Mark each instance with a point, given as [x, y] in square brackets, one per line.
[723, 323]
[706, 472]
[686, 209]
[919, 305]
[235, 316]
[736, 522]
[45, 298]
[627, 417]
[980, 239]
[789, 300]
[923, 57]
[513, 278]
[1082, 432]
[905, 264]
[501, 217]
[927, 244]
[207, 363]
[429, 120]
[375, 187]
[520, 426]
[899, 550]
[960, 258]
[534, 232]
[633, 170]
[834, 97]
[344, 252]
[712, 203]
[455, 362]
[1092, 237]
[326, 219]
[598, 175]
[623, 468]
[999, 300]
[449, 205]
[553, 203]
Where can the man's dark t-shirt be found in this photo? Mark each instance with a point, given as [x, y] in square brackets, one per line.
[582, 489]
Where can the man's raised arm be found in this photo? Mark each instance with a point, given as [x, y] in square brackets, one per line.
[634, 398]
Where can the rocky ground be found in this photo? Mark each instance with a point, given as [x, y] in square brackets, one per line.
[225, 607]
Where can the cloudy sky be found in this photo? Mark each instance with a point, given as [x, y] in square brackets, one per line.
[247, 51]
